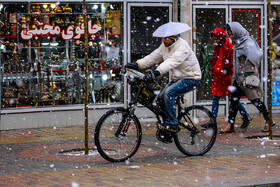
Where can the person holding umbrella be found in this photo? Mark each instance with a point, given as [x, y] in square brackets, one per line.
[176, 57]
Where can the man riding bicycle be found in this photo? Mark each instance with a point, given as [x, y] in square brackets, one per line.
[175, 56]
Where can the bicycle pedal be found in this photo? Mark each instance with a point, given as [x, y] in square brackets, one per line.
[168, 128]
[164, 136]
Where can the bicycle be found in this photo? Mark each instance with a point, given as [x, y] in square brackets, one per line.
[118, 132]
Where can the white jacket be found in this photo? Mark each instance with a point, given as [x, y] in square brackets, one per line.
[178, 59]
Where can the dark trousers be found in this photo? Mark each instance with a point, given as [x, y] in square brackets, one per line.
[234, 101]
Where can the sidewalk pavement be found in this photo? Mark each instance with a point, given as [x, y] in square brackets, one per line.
[33, 157]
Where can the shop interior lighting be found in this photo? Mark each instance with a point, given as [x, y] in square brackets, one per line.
[1, 6]
[54, 43]
[112, 74]
[105, 77]
[53, 6]
[103, 7]
[45, 6]
[95, 7]
[111, 7]
[45, 43]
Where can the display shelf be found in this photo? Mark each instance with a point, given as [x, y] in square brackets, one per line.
[13, 37]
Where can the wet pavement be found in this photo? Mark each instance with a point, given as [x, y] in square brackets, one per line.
[42, 157]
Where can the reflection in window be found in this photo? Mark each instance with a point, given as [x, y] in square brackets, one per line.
[48, 69]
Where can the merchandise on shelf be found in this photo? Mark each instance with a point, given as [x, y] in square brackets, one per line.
[276, 93]
[52, 67]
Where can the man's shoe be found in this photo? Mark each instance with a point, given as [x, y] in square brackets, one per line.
[164, 136]
[207, 125]
[168, 127]
[246, 122]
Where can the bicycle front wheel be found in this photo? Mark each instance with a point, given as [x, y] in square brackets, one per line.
[113, 142]
[198, 131]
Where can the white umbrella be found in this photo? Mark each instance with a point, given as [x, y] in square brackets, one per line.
[170, 29]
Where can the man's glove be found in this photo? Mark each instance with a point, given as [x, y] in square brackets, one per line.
[150, 76]
[131, 65]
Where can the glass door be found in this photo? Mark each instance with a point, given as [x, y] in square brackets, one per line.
[250, 17]
[205, 20]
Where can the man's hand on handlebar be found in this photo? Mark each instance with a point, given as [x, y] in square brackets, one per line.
[151, 75]
[131, 65]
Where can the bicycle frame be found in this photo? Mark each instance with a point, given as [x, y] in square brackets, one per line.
[152, 107]
[192, 138]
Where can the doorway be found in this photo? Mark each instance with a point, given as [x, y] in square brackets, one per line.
[205, 19]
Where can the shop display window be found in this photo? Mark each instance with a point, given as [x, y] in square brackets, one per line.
[42, 54]
[276, 55]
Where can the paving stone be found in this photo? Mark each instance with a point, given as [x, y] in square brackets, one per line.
[30, 157]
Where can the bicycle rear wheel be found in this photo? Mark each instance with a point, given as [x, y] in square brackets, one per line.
[112, 143]
[198, 131]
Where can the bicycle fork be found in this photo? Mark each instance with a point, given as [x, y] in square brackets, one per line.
[125, 123]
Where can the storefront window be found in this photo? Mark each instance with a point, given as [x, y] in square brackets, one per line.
[276, 55]
[42, 56]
